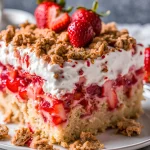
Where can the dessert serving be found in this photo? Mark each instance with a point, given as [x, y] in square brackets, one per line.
[68, 75]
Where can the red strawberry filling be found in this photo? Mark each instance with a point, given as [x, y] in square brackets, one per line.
[147, 65]
[55, 111]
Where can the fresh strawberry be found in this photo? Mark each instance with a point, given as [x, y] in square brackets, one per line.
[50, 15]
[23, 94]
[12, 85]
[94, 90]
[147, 59]
[111, 95]
[57, 120]
[107, 87]
[57, 20]
[57, 112]
[13, 74]
[147, 77]
[78, 95]
[112, 99]
[39, 90]
[89, 16]
[26, 60]
[41, 13]
[80, 33]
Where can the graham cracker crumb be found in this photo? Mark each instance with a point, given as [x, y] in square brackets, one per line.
[64, 144]
[56, 59]
[8, 34]
[41, 144]
[60, 50]
[129, 127]
[3, 131]
[21, 136]
[43, 45]
[63, 37]
[87, 142]
[28, 26]
[23, 39]
[56, 49]
[56, 76]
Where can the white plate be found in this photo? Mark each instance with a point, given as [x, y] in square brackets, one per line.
[15, 17]
[110, 139]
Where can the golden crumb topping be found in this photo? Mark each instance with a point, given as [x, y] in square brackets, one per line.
[129, 127]
[56, 48]
[87, 142]
[41, 144]
[3, 131]
[21, 136]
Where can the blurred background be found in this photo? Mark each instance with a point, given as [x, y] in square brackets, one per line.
[123, 11]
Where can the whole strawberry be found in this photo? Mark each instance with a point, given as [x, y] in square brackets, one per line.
[50, 15]
[147, 64]
[89, 16]
[80, 33]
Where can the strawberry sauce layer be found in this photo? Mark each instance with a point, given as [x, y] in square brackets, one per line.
[29, 87]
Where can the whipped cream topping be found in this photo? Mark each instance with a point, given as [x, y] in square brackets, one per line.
[107, 67]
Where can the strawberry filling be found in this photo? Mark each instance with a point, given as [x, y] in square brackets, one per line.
[29, 87]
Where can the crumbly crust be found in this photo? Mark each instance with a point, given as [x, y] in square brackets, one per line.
[56, 48]
[3, 131]
[129, 127]
[41, 144]
[87, 142]
[21, 136]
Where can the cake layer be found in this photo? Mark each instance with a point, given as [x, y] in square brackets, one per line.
[97, 121]
[93, 108]
[56, 111]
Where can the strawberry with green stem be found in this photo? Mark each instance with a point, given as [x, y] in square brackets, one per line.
[90, 16]
[51, 15]
[85, 25]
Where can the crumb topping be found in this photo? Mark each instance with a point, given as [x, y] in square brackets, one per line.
[56, 48]
[87, 142]
[41, 144]
[129, 127]
[3, 131]
[21, 136]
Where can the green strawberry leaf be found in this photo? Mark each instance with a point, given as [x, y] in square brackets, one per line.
[105, 14]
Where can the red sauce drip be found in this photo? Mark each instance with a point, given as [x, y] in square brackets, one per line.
[103, 56]
[81, 72]
[26, 60]
[88, 63]
[140, 45]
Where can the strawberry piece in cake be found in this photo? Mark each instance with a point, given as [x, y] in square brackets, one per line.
[62, 90]
[147, 65]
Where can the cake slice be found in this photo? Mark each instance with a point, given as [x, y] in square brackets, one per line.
[60, 90]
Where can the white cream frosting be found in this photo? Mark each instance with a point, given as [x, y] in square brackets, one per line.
[117, 63]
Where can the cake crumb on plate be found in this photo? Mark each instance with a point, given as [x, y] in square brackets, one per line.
[129, 127]
[87, 141]
[3, 131]
[21, 136]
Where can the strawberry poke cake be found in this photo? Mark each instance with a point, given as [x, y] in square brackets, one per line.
[68, 76]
